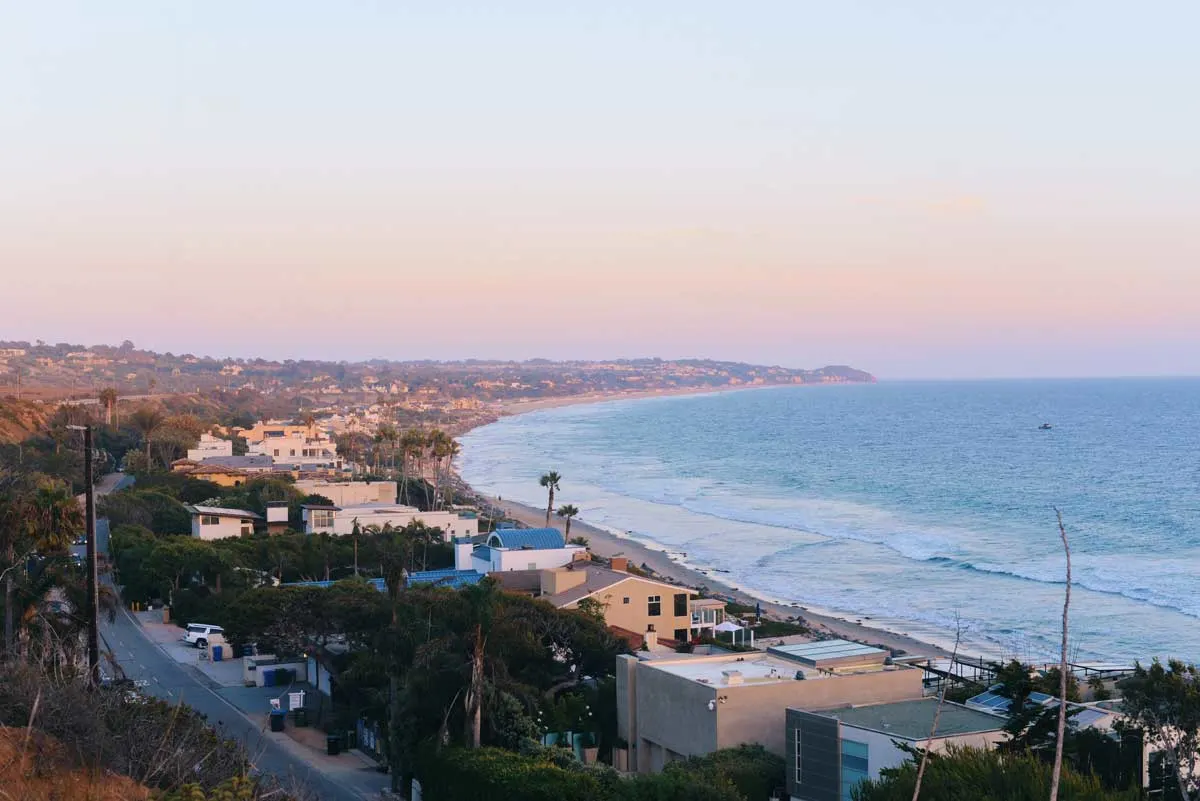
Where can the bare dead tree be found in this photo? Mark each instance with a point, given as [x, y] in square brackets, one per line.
[937, 715]
[1056, 775]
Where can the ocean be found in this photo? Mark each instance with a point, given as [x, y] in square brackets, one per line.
[913, 506]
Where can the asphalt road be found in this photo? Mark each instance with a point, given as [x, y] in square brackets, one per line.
[141, 659]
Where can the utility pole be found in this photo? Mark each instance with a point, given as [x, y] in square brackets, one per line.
[93, 605]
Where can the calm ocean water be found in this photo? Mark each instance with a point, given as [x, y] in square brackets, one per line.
[908, 503]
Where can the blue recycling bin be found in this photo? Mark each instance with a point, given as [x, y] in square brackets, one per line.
[268, 678]
[218, 653]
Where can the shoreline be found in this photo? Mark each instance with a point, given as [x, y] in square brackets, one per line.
[606, 544]
[512, 408]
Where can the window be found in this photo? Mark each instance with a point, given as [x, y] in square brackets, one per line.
[292, 452]
[681, 604]
[654, 605]
[625, 600]
[797, 765]
[277, 451]
[322, 518]
[533, 565]
[650, 627]
[681, 635]
[854, 766]
[210, 520]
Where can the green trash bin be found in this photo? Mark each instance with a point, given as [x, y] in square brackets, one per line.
[300, 716]
[277, 719]
[333, 744]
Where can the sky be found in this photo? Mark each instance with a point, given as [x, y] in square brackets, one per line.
[919, 189]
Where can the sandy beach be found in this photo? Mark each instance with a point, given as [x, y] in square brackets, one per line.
[606, 544]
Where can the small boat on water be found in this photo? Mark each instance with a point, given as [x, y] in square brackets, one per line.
[1045, 427]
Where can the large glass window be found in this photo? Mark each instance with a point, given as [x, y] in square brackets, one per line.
[322, 518]
[681, 604]
[210, 520]
[854, 766]
[654, 605]
[797, 762]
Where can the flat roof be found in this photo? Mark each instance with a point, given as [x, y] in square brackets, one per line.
[220, 511]
[912, 720]
[829, 652]
[756, 668]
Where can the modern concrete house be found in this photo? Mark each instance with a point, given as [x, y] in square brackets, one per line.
[676, 707]
[215, 523]
[830, 752]
[339, 520]
[210, 446]
[350, 493]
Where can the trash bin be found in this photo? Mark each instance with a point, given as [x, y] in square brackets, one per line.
[277, 719]
[218, 653]
[300, 716]
[268, 678]
[333, 744]
[351, 740]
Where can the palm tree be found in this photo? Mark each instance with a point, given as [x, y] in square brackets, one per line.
[147, 420]
[550, 481]
[34, 516]
[568, 511]
[410, 444]
[108, 397]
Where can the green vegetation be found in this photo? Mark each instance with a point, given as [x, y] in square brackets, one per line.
[967, 774]
[747, 773]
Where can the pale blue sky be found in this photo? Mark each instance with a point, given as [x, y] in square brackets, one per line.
[920, 189]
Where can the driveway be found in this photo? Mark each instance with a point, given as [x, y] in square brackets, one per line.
[341, 778]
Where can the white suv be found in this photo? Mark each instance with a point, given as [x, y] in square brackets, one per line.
[197, 634]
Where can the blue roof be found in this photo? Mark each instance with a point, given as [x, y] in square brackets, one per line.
[377, 583]
[538, 539]
[448, 577]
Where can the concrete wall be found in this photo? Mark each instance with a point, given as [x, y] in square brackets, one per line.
[672, 714]
[349, 493]
[210, 446]
[518, 559]
[757, 713]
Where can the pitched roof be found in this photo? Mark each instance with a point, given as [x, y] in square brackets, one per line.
[538, 539]
[601, 578]
[218, 511]
[215, 470]
[248, 461]
[377, 583]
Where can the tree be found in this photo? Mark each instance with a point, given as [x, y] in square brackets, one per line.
[147, 420]
[968, 774]
[1164, 704]
[550, 480]
[568, 511]
[36, 514]
[108, 397]
[1061, 735]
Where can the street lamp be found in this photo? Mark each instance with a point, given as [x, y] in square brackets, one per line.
[93, 605]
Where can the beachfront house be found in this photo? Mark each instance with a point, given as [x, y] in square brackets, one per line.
[216, 523]
[674, 707]
[829, 752]
[511, 549]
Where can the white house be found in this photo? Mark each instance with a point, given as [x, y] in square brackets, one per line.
[517, 549]
[210, 446]
[349, 493]
[300, 450]
[339, 520]
[215, 523]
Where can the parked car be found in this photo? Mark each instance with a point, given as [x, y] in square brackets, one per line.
[197, 634]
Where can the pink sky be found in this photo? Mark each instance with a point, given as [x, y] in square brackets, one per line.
[724, 189]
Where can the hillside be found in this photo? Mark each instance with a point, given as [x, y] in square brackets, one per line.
[20, 419]
[35, 767]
